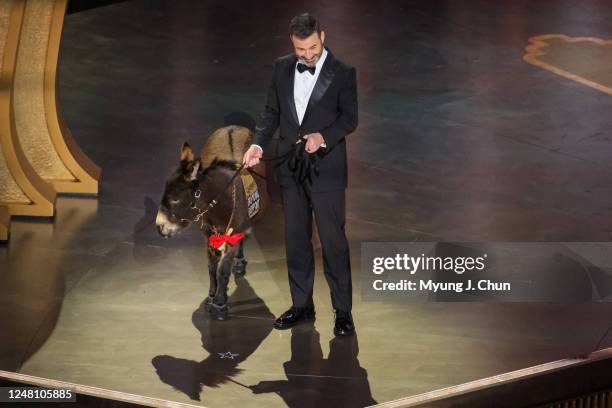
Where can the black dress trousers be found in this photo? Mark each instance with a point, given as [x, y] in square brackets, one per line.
[299, 203]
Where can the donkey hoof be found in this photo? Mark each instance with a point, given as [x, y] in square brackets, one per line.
[239, 267]
[218, 312]
[220, 316]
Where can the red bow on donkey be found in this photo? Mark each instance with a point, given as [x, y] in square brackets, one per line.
[219, 241]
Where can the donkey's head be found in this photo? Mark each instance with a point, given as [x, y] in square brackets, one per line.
[176, 210]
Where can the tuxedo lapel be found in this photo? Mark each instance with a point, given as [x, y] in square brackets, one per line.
[289, 75]
[323, 82]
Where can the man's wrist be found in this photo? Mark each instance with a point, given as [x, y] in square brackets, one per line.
[256, 145]
[323, 143]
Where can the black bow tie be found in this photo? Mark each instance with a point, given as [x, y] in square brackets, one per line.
[303, 67]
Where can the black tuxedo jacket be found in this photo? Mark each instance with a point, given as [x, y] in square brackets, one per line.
[331, 110]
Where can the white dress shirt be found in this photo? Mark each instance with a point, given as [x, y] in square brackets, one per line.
[303, 84]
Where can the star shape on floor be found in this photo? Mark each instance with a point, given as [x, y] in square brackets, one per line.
[229, 355]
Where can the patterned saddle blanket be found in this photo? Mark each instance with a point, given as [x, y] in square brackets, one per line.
[251, 192]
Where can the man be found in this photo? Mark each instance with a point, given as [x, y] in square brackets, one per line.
[313, 97]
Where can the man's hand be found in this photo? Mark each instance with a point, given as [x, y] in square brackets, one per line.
[313, 142]
[252, 156]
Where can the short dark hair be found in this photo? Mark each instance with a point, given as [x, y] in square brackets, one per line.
[303, 25]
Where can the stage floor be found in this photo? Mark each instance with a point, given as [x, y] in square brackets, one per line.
[98, 299]
[459, 140]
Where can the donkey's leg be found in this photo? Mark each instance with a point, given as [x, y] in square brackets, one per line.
[219, 306]
[213, 262]
[240, 262]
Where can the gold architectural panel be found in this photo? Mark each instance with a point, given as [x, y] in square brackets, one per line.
[38, 155]
[45, 138]
[10, 190]
[586, 60]
[29, 103]
[5, 222]
[22, 190]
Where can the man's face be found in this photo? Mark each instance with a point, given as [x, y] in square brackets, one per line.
[308, 50]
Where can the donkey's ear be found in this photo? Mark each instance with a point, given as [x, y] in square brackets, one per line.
[193, 170]
[186, 152]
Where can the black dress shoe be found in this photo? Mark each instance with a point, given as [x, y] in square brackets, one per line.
[344, 324]
[294, 316]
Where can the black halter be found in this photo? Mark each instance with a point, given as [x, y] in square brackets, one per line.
[209, 206]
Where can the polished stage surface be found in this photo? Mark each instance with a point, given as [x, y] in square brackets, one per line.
[459, 139]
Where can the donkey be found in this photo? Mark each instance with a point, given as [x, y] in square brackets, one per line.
[208, 192]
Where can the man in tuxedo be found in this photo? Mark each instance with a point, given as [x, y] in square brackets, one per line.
[313, 98]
